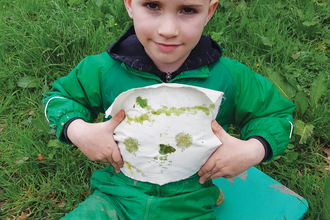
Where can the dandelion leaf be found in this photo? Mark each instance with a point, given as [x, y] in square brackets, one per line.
[266, 41]
[311, 23]
[310, 18]
[291, 156]
[54, 144]
[111, 20]
[301, 103]
[300, 54]
[40, 124]
[317, 90]
[284, 87]
[99, 3]
[45, 87]
[28, 82]
[304, 131]
[242, 7]
[244, 22]
[52, 153]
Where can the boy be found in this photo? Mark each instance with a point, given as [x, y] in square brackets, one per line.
[165, 45]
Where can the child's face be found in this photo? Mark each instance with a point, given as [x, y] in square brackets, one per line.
[169, 29]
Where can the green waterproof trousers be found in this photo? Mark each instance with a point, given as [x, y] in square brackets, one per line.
[119, 197]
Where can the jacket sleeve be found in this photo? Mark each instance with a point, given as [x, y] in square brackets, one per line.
[259, 108]
[76, 95]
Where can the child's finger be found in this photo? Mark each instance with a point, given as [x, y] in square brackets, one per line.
[214, 173]
[114, 164]
[204, 178]
[117, 157]
[206, 173]
[207, 170]
[207, 167]
[115, 121]
[209, 176]
[218, 130]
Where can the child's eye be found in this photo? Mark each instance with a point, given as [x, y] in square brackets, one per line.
[188, 11]
[152, 6]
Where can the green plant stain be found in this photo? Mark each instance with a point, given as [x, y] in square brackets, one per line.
[155, 158]
[160, 111]
[137, 170]
[166, 149]
[128, 119]
[203, 108]
[142, 118]
[182, 110]
[129, 167]
[142, 102]
[183, 140]
[166, 111]
[163, 158]
[131, 145]
[138, 119]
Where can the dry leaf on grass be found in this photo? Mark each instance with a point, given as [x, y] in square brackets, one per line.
[21, 160]
[40, 157]
[327, 152]
[326, 168]
[60, 203]
[83, 193]
[2, 203]
[299, 173]
[23, 216]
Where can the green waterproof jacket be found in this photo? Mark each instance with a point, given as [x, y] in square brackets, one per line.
[250, 102]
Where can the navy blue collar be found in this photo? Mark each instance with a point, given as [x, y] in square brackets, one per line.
[130, 51]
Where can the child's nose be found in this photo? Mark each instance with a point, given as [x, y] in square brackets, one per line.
[168, 27]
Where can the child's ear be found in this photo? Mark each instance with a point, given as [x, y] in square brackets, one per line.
[213, 6]
[128, 5]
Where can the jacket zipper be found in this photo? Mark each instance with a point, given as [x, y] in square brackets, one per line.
[148, 207]
[185, 77]
[168, 77]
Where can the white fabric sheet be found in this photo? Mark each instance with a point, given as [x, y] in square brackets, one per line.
[166, 135]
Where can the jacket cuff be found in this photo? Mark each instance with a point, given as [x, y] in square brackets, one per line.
[268, 149]
[65, 129]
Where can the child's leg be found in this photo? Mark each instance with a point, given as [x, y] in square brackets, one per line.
[98, 206]
[119, 197]
[185, 199]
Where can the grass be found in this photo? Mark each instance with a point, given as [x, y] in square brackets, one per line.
[286, 41]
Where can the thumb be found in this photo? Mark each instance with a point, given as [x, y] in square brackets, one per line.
[115, 121]
[218, 130]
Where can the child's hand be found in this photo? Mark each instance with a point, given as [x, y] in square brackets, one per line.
[233, 157]
[95, 140]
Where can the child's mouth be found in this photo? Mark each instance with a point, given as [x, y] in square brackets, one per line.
[167, 47]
